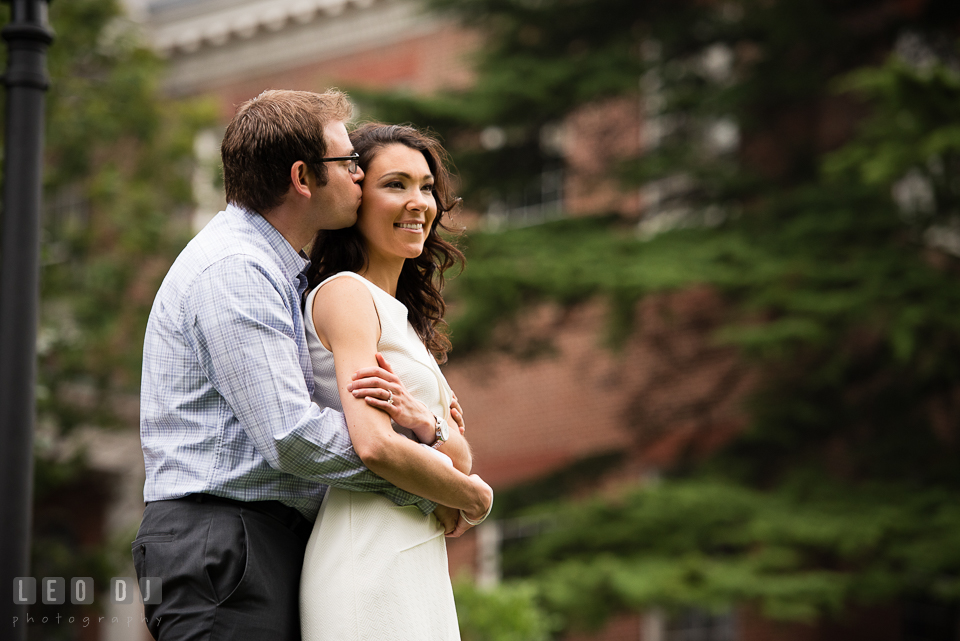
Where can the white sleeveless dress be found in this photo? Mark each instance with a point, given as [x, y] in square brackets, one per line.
[374, 571]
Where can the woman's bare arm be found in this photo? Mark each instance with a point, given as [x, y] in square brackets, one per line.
[347, 324]
[373, 385]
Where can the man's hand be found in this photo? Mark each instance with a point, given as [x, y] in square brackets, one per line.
[456, 413]
[378, 386]
[448, 517]
[458, 525]
[461, 527]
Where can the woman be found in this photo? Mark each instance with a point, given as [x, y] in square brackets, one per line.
[374, 570]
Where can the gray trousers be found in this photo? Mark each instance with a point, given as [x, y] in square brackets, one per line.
[228, 572]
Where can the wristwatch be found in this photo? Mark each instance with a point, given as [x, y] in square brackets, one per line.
[443, 431]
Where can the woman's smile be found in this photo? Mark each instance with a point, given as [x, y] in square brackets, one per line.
[398, 206]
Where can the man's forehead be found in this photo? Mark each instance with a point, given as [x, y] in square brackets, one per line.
[338, 140]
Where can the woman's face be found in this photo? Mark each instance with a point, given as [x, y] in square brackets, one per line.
[398, 206]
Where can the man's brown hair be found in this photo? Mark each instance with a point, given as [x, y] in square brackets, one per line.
[271, 132]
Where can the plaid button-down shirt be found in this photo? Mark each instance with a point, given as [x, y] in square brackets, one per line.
[225, 403]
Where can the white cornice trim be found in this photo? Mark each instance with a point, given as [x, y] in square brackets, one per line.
[191, 27]
[297, 44]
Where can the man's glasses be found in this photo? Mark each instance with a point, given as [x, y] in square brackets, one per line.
[353, 158]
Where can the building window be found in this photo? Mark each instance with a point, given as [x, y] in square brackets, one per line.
[691, 624]
[926, 620]
[698, 625]
[539, 202]
[68, 208]
[64, 213]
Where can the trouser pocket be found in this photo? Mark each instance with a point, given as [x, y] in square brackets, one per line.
[225, 554]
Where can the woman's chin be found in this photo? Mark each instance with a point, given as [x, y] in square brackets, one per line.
[413, 252]
[405, 254]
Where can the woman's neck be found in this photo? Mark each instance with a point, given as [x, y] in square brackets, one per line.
[383, 273]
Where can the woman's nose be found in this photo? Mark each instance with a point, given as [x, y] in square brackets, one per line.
[419, 201]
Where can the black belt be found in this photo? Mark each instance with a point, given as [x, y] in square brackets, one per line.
[288, 516]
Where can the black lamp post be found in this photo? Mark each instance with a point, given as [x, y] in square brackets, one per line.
[28, 36]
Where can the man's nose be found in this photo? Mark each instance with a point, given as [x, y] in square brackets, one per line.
[357, 177]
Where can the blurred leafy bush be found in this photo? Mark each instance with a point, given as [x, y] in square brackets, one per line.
[507, 612]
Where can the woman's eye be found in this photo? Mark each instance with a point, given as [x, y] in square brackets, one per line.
[427, 188]
[395, 184]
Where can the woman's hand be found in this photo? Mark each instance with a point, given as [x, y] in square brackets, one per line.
[486, 493]
[381, 388]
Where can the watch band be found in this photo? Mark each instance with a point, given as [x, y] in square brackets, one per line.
[440, 440]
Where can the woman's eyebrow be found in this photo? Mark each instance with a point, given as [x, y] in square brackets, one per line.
[403, 174]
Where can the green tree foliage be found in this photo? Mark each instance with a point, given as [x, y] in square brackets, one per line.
[801, 551]
[833, 237]
[503, 613]
[117, 196]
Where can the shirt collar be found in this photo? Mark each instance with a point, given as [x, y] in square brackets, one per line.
[293, 262]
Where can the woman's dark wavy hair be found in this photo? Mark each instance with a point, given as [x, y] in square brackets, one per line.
[421, 279]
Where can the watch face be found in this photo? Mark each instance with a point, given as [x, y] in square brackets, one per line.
[443, 430]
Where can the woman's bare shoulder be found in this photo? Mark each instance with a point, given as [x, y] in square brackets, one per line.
[344, 304]
[342, 284]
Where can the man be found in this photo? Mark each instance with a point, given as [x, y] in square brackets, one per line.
[236, 454]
